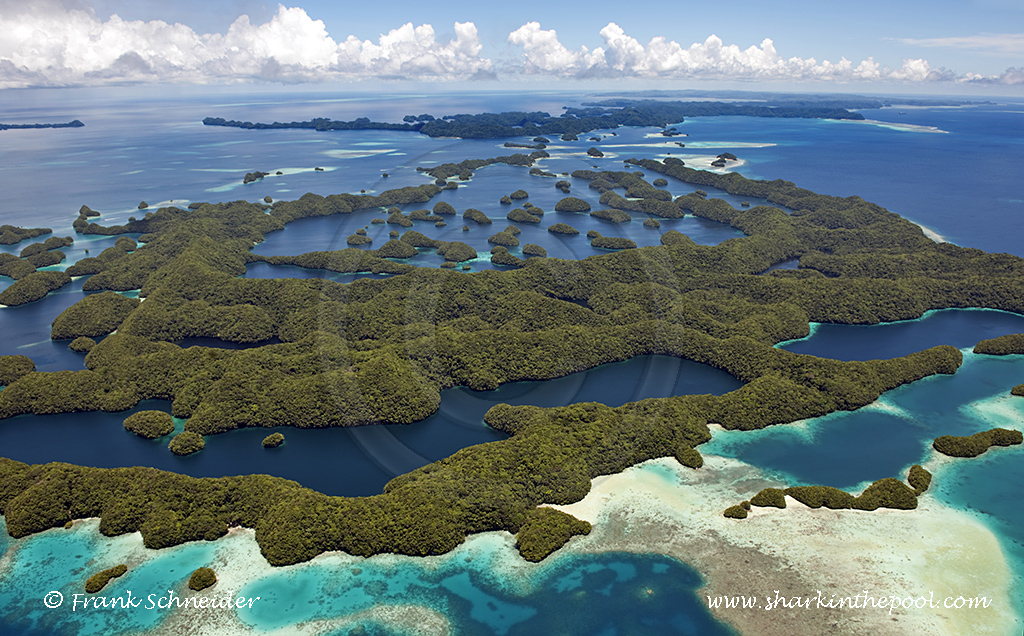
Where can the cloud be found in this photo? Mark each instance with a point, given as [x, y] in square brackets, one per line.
[1001, 43]
[64, 43]
[59, 43]
[623, 56]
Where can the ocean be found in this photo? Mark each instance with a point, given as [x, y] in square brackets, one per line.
[955, 171]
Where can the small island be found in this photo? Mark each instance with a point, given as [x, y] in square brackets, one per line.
[99, 580]
[975, 445]
[201, 579]
[273, 440]
[74, 123]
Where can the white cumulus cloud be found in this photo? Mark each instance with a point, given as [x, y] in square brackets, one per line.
[64, 43]
[623, 56]
[51, 44]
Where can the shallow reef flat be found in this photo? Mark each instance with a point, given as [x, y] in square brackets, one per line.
[661, 507]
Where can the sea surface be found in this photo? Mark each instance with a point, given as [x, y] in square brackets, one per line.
[955, 171]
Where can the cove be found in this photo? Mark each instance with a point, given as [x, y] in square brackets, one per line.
[850, 449]
[957, 327]
[348, 461]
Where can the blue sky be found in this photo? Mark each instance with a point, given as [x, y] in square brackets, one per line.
[939, 45]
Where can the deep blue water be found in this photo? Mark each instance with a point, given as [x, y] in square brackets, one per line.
[360, 460]
[956, 327]
[964, 184]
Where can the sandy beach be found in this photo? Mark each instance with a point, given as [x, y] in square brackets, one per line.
[934, 551]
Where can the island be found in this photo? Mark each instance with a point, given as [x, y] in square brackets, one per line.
[74, 123]
[571, 123]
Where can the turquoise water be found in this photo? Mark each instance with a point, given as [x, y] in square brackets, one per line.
[481, 589]
[61, 560]
[589, 594]
[846, 449]
[850, 450]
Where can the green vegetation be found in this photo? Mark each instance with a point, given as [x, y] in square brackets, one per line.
[1001, 346]
[504, 238]
[11, 234]
[443, 207]
[884, 493]
[818, 496]
[562, 228]
[273, 440]
[887, 493]
[457, 252]
[919, 479]
[500, 256]
[82, 344]
[46, 259]
[358, 239]
[974, 445]
[397, 249]
[735, 512]
[572, 204]
[519, 215]
[99, 580]
[465, 169]
[33, 287]
[773, 497]
[531, 249]
[614, 216]
[594, 152]
[14, 367]
[652, 224]
[95, 315]
[14, 267]
[201, 579]
[150, 424]
[52, 243]
[612, 242]
[519, 194]
[1017, 390]
[186, 443]
[473, 214]
[546, 530]
[397, 218]
[660, 182]
[424, 215]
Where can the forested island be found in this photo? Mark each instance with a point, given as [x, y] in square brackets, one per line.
[71, 124]
[380, 351]
[574, 121]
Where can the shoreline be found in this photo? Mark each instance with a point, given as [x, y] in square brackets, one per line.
[661, 507]
[932, 234]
